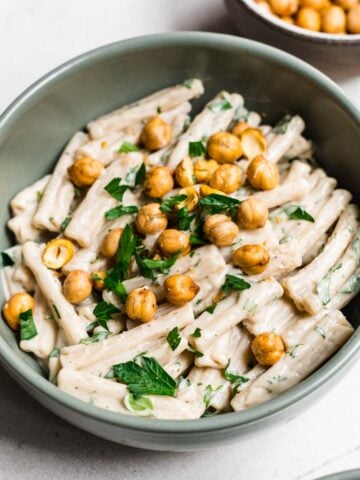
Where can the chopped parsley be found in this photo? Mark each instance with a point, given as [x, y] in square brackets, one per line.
[115, 189]
[293, 351]
[65, 223]
[97, 337]
[232, 282]
[188, 83]
[113, 283]
[138, 404]
[197, 149]
[320, 331]
[125, 251]
[352, 285]
[238, 380]
[209, 394]
[27, 325]
[104, 312]
[120, 211]
[211, 308]
[196, 353]
[282, 126]
[55, 353]
[216, 203]
[174, 338]
[168, 205]
[295, 212]
[220, 105]
[127, 147]
[146, 378]
[7, 261]
[140, 175]
[148, 265]
[323, 287]
[196, 333]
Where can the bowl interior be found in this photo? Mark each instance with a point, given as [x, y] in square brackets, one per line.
[35, 129]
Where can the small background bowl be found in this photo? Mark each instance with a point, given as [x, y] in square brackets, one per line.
[321, 49]
[35, 128]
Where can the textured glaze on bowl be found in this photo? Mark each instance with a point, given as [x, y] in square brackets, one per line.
[38, 124]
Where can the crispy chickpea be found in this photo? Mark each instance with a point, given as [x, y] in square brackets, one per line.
[353, 19]
[158, 182]
[18, 303]
[252, 214]
[141, 305]
[333, 20]
[77, 286]
[309, 18]
[262, 174]
[180, 289]
[239, 127]
[191, 201]
[252, 259]
[58, 252]
[98, 277]
[284, 7]
[268, 348]
[287, 19]
[111, 241]
[226, 178]
[346, 4]
[224, 147]
[85, 171]
[220, 230]
[204, 170]
[253, 143]
[184, 173]
[156, 134]
[316, 4]
[150, 219]
[205, 190]
[265, 7]
[172, 241]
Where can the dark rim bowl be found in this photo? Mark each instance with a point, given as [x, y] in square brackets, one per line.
[297, 32]
[34, 382]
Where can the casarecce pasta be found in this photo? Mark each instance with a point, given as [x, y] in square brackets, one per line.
[176, 268]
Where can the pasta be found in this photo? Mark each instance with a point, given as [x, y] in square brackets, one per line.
[154, 279]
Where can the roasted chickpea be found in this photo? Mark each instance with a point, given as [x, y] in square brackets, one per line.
[220, 230]
[333, 20]
[309, 18]
[158, 182]
[224, 147]
[239, 127]
[346, 4]
[265, 7]
[252, 259]
[18, 303]
[253, 143]
[111, 241]
[180, 289]
[191, 201]
[150, 219]
[204, 170]
[205, 191]
[284, 7]
[141, 305]
[184, 173]
[57, 253]
[262, 174]
[85, 171]
[316, 4]
[226, 178]
[156, 134]
[98, 277]
[268, 348]
[353, 19]
[252, 214]
[77, 286]
[289, 20]
[172, 241]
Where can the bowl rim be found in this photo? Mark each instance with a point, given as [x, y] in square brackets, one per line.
[343, 475]
[276, 23]
[24, 374]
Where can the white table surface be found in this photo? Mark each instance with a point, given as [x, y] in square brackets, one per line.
[36, 36]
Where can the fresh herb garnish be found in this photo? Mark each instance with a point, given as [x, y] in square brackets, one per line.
[138, 404]
[174, 338]
[196, 333]
[120, 211]
[238, 380]
[180, 216]
[168, 205]
[323, 287]
[97, 337]
[56, 312]
[55, 353]
[27, 325]
[211, 308]
[282, 126]
[216, 203]
[147, 265]
[232, 282]
[209, 394]
[125, 251]
[196, 353]
[352, 285]
[104, 312]
[140, 175]
[115, 189]
[197, 235]
[148, 378]
[127, 147]
[188, 83]
[321, 331]
[295, 212]
[113, 283]
[7, 261]
[65, 223]
[220, 105]
[197, 149]
[184, 218]
[293, 351]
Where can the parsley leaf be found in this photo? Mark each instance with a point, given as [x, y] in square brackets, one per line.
[197, 149]
[181, 216]
[232, 282]
[115, 189]
[216, 203]
[282, 126]
[196, 333]
[162, 265]
[27, 325]
[125, 251]
[7, 261]
[323, 287]
[184, 218]
[197, 236]
[295, 212]
[174, 338]
[188, 83]
[127, 147]
[238, 380]
[55, 353]
[140, 175]
[211, 308]
[65, 223]
[120, 211]
[148, 378]
[104, 312]
[112, 282]
[144, 270]
[209, 394]
[167, 206]
[97, 337]
[220, 105]
[138, 404]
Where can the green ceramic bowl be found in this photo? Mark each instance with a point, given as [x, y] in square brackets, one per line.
[348, 475]
[35, 128]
